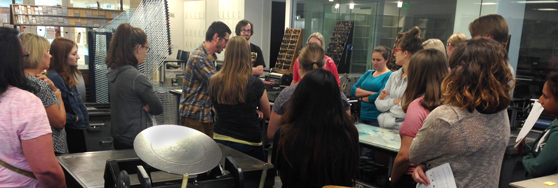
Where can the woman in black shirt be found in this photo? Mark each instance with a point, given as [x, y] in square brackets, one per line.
[236, 95]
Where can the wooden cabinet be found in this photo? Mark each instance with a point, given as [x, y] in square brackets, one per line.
[38, 15]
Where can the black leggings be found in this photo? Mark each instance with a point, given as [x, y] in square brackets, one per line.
[405, 181]
[76, 140]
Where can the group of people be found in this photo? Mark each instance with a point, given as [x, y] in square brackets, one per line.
[452, 110]
[448, 103]
[44, 115]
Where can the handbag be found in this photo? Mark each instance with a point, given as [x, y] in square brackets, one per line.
[17, 170]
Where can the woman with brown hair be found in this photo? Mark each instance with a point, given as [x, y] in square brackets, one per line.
[34, 65]
[311, 57]
[427, 69]
[63, 72]
[389, 100]
[236, 95]
[132, 97]
[369, 85]
[470, 131]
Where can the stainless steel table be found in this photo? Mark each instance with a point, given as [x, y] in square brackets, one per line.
[537, 182]
[387, 140]
[87, 168]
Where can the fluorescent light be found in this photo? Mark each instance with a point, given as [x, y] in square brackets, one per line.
[399, 4]
[489, 3]
[533, 2]
[337, 5]
[330, 0]
[351, 6]
[547, 9]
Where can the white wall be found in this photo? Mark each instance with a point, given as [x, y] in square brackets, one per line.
[176, 8]
[228, 11]
[259, 13]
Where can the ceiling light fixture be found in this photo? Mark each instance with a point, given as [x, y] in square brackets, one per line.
[399, 4]
[535, 2]
[337, 5]
[547, 9]
[351, 6]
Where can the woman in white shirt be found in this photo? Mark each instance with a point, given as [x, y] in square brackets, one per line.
[389, 101]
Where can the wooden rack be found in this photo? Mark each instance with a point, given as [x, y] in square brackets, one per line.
[39, 15]
[290, 46]
[340, 46]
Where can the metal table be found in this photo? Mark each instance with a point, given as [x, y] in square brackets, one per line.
[536, 182]
[87, 169]
[163, 67]
[177, 94]
[386, 140]
[389, 141]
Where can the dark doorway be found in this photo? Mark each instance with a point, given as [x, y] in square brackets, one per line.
[277, 30]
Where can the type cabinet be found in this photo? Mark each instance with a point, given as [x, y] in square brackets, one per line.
[288, 52]
[38, 15]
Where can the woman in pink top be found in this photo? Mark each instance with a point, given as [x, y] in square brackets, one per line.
[329, 65]
[427, 70]
[24, 128]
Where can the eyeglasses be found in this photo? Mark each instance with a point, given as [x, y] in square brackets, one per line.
[226, 40]
[397, 50]
[147, 49]
[245, 31]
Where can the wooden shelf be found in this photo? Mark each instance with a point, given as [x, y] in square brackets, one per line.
[35, 15]
[284, 64]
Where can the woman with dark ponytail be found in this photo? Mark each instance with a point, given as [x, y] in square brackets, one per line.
[389, 101]
[311, 57]
[132, 96]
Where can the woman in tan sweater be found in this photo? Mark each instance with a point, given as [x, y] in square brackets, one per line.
[470, 131]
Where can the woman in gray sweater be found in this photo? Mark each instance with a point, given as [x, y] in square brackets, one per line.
[132, 98]
[470, 131]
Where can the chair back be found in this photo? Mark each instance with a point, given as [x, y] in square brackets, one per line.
[236, 171]
[185, 55]
[179, 54]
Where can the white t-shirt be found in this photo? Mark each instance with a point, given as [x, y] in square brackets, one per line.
[22, 117]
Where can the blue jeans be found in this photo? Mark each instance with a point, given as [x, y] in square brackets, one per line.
[373, 122]
[257, 152]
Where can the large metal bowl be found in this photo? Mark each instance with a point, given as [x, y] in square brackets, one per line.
[177, 149]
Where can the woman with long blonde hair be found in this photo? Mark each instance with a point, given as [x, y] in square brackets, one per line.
[38, 61]
[236, 97]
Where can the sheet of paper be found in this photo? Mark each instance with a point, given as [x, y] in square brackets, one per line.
[441, 176]
[530, 122]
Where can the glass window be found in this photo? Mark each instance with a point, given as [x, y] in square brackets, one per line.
[532, 49]
[375, 23]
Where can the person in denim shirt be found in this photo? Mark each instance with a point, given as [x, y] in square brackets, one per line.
[62, 72]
